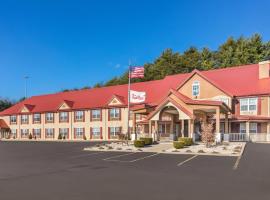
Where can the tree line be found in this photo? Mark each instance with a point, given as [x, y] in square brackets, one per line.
[233, 52]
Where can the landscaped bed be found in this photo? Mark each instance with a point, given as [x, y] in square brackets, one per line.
[223, 149]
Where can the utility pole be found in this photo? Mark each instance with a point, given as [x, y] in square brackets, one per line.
[25, 86]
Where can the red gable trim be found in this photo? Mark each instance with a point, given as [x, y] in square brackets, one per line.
[204, 77]
[174, 103]
[69, 104]
[29, 107]
[3, 124]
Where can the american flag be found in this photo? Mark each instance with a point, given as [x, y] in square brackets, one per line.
[137, 72]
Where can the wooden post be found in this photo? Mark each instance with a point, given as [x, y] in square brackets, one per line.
[218, 120]
[226, 123]
[247, 130]
[182, 127]
[156, 131]
[134, 125]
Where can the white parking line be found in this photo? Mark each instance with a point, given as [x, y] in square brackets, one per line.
[236, 164]
[118, 156]
[89, 154]
[189, 159]
[155, 154]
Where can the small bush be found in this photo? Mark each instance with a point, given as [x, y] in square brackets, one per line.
[64, 137]
[147, 141]
[139, 143]
[59, 137]
[30, 136]
[84, 137]
[178, 144]
[187, 141]
[201, 151]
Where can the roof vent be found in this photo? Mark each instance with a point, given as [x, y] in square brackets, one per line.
[264, 69]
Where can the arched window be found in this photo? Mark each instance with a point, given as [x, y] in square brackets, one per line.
[196, 88]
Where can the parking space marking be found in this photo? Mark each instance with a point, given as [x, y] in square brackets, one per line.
[236, 164]
[89, 154]
[118, 156]
[185, 161]
[142, 158]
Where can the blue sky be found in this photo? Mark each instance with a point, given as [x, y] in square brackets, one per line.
[68, 44]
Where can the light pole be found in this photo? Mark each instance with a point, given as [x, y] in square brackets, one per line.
[25, 86]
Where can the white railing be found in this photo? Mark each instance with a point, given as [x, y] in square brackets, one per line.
[242, 137]
[238, 137]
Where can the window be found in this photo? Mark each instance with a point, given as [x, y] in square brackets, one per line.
[79, 132]
[253, 127]
[96, 114]
[49, 132]
[63, 117]
[24, 133]
[114, 131]
[13, 119]
[63, 132]
[24, 119]
[37, 118]
[114, 113]
[243, 128]
[79, 116]
[37, 133]
[96, 131]
[196, 88]
[248, 104]
[14, 133]
[49, 117]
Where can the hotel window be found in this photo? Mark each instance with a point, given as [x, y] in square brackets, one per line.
[79, 116]
[248, 104]
[115, 113]
[96, 131]
[79, 132]
[49, 117]
[49, 132]
[37, 132]
[14, 133]
[196, 88]
[243, 128]
[253, 127]
[24, 119]
[63, 116]
[37, 118]
[114, 131]
[95, 114]
[13, 119]
[24, 133]
[63, 132]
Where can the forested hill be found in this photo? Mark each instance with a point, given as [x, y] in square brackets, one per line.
[231, 53]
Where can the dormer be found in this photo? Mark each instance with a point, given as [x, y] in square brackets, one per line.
[116, 100]
[264, 69]
[26, 108]
[66, 105]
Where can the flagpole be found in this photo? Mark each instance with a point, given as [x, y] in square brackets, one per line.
[128, 133]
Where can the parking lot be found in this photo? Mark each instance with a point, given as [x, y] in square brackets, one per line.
[63, 171]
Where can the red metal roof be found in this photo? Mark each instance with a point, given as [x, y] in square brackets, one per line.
[238, 81]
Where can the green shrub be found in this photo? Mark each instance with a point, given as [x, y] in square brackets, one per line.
[178, 145]
[147, 141]
[187, 141]
[139, 143]
[59, 137]
[30, 136]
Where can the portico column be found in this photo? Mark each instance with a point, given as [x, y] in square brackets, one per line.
[150, 128]
[156, 131]
[226, 123]
[218, 120]
[268, 128]
[182, 127]
[190, 127]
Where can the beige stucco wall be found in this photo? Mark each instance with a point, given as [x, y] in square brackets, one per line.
[71, 124]
[207, 90]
